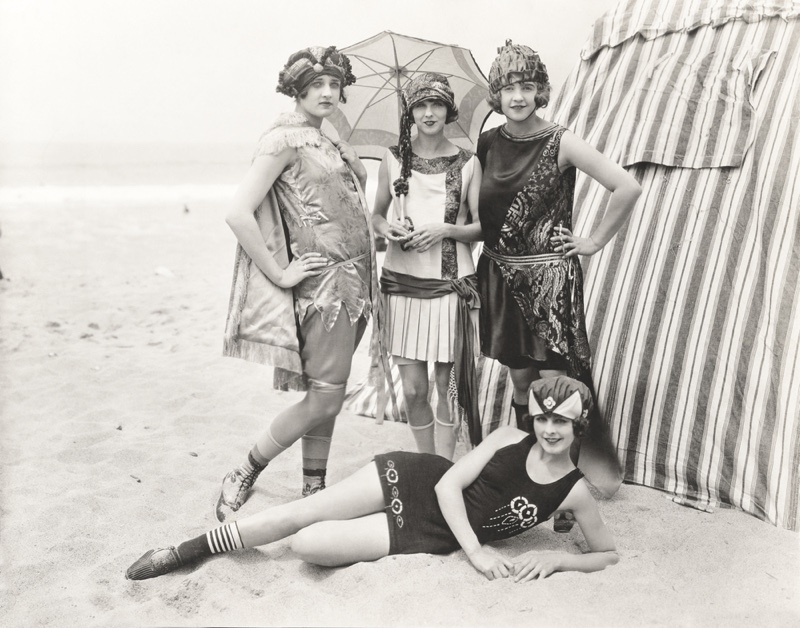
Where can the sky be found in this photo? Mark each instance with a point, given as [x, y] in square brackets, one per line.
[204, 71]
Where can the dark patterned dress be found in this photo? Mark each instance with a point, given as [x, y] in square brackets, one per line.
[532, 297]
[502, 502]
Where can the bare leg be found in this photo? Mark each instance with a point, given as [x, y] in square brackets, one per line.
[445, 424]
[418, 410]
[358, 495]
[521, 380]
[319, 407]
[335, 543]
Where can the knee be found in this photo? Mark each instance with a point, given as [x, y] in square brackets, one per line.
[415, 392]
[313, 545]
[326, 403]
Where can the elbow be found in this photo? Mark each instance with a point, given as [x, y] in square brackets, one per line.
[634, 190]
[230, 219]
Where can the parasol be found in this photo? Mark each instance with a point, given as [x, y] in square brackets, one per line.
[370, 119]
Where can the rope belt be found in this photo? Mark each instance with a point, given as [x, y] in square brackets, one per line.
[524, 260]
[344, 261]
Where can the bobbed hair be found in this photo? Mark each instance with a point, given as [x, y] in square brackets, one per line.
[541, 100]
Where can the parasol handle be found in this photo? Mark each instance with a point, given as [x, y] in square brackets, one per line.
[401, 207]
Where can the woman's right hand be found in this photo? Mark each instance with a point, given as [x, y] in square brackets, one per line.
[307, 265]
[396, 231]
[490, 563]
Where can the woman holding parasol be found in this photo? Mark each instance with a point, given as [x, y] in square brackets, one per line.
[428, 275]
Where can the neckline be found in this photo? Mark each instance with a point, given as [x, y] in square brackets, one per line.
[455, 156]
[532, 438]
[547, 131]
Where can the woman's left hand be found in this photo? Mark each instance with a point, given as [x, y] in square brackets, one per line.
[570, 245]
[347, 152]
[529, 566]
[426, 236]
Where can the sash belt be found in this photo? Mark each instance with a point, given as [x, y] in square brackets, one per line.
[464, 372]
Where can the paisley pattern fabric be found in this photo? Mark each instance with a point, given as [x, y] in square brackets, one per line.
[547, 288]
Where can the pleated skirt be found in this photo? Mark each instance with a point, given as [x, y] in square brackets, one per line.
[424, 329]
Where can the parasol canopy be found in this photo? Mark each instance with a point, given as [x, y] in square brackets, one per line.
[370, 119]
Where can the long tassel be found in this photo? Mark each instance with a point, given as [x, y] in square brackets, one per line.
[464, 372]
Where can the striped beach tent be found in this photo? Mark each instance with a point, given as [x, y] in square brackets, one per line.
[693, 309]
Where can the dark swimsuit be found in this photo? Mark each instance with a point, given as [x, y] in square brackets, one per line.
[502, 502]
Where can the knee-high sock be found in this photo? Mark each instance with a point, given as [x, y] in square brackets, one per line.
[316, 445]
[267, 448]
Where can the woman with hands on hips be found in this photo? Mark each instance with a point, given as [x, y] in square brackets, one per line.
[407, 503]
[529, 275]
[428, 276]
[305, 280]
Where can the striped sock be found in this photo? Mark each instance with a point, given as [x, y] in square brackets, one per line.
[224, 538]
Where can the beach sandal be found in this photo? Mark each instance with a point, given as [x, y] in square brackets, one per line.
[155, 563]
[236, 488]
[563, 521]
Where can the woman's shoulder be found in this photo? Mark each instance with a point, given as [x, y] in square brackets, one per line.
[289, 130]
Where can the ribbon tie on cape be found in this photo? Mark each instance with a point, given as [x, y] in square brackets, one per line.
[464, 373]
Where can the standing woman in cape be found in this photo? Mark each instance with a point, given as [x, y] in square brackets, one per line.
[428, 275]
[305, 273]
[530, 279]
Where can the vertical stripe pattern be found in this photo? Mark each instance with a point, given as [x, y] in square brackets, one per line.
[692, 309]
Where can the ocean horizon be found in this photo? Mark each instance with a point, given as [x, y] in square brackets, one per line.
[60, 172]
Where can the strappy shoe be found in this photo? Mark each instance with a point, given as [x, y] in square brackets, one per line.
[155, 563]
[236, 488]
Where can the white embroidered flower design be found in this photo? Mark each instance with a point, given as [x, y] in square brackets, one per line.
[549, 403]
[525, 511]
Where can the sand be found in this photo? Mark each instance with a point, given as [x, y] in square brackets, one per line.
[120, 417]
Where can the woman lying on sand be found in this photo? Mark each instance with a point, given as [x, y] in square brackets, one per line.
[407, 503]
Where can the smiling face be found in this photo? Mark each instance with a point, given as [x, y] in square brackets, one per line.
[554, 432]
[518, 100]
[430, 116]
[320, 98]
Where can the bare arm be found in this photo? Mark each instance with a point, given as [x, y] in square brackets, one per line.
[241, 219]
[449, 493]
[602, 552]
[429, 234]
[624, 193]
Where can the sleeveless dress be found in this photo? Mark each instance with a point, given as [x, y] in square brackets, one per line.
[502, 502]
[532, 296]
[424, 329]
